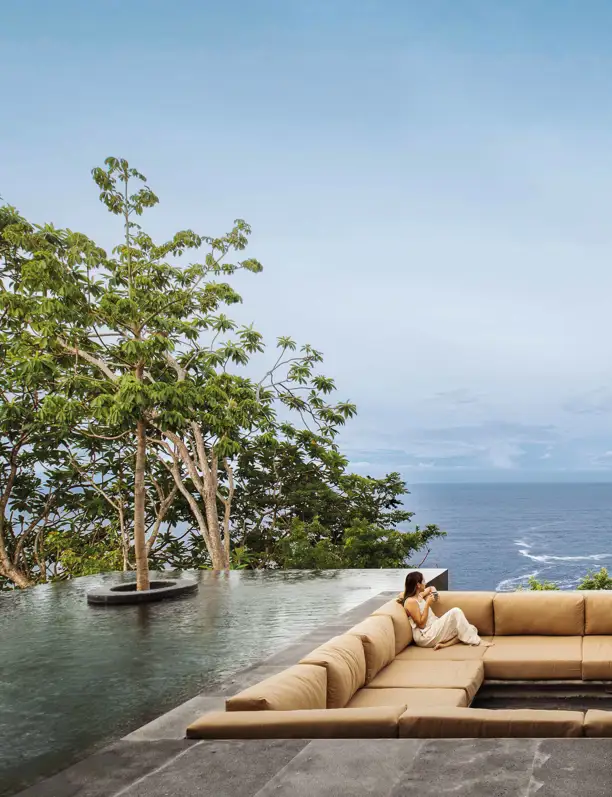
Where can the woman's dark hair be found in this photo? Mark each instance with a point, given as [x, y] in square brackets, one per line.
[412, 580]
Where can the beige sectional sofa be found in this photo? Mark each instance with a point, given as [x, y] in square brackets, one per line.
[373, 682]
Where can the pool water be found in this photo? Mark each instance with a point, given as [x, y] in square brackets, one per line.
[74, 677]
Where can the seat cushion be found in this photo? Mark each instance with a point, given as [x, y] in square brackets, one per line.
[598, 724]
[534, 658]
[597, 612]
[597, 658]
[342, 723]
[344, 659]
[301, 687]
[378, 639]
[412, 698]
[539, 613]
[473, 723]
[401, 624]
[454, 653]
[477, 607]
[467, 675]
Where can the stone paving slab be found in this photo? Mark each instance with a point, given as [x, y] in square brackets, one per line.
[565, 767]
[219, 769]
[112, 770]
[346, 768]
[173, 724]
[470, 768]
[341, 768]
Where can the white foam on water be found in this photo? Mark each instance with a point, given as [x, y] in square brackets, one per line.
[510, 584]
[525, 549]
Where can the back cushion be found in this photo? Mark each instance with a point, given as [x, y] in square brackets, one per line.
[344, 659]
[300, 687]
[401, 625]
[477, 607]
[378, 638]
[598, 612]
[539, 613]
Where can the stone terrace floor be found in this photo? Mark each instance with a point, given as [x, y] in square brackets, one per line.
[156, 761]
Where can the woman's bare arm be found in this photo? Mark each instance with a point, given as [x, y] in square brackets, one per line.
[412, 608]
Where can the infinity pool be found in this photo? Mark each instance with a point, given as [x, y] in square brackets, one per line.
[73, 676]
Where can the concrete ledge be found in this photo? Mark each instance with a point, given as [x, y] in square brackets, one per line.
[126, 594]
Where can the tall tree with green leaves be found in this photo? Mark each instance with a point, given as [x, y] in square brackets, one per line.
[297, 506]
[143, 355]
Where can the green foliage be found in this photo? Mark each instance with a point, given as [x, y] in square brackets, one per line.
[127, 412]
[598, 580]
[534, 584]
[592, 580]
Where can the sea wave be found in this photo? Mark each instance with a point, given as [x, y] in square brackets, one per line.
[511, 584]
[545, 558]
[553, 567]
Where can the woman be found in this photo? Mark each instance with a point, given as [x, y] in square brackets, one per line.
[428, 630]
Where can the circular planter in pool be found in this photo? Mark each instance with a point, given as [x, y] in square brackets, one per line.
[123, 594]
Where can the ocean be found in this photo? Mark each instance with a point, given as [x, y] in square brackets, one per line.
[500, 534]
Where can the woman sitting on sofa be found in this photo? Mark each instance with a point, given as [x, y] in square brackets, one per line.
[428, 630]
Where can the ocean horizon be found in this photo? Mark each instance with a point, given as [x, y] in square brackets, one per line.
[501, 534]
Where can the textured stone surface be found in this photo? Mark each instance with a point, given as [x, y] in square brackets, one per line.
[120, 595]
[111, 771]
[470, 768]
[355, 769]
[572, 766]
[219, 769]
[172, 725]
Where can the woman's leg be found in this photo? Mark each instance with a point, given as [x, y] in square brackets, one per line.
[454, 623]
[453, 641]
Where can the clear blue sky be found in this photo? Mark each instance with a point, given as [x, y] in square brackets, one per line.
[428, 182]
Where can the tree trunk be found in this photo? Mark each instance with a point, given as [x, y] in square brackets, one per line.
[17, 577]
[140, 543]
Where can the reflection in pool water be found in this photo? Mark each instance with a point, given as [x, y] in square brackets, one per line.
[74, 676]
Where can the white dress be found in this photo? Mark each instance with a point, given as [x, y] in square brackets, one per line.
[442, 629]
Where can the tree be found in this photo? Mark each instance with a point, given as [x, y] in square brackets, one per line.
[144, 357]
[296, 506]
[596, 580]
[31, 500]
[130, 384]
[592, 580]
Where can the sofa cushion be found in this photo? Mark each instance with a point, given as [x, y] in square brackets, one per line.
[539, 613]
[454, 653]
[401, 624]
[598, 724]
[301, 687]
[597, 612]
[378, 639]
[534, 658]
[472, 723]
[342, 723]
[477, 607]
[412, 698]
[467, 675]
[344, 659]
[597, 658]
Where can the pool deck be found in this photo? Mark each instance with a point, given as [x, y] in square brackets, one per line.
[157, 761]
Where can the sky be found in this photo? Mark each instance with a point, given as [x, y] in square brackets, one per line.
[428, 185]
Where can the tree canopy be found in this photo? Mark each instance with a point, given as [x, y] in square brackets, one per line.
[132, 430]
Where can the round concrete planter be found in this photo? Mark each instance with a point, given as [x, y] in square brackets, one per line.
[126, 594]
